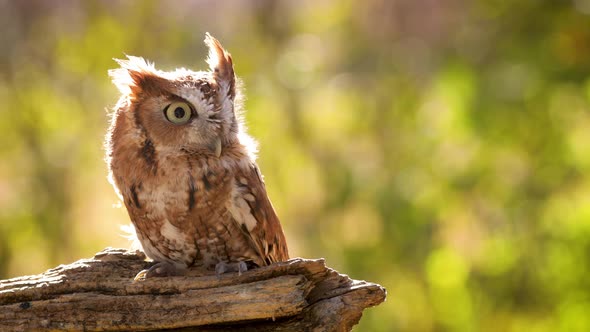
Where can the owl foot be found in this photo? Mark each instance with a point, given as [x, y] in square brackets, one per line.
[223, 267]
[160, 269]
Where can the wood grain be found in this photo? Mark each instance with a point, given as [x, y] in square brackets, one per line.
[99, 294]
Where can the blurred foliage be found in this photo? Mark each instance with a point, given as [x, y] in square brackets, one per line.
[440, 148]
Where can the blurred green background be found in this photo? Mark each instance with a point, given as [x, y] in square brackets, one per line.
[439, 148]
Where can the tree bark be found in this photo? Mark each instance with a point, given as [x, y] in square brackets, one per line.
[99, 294]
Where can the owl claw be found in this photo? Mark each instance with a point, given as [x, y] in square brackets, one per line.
[223, 267]
[160, 269]
[140, 276]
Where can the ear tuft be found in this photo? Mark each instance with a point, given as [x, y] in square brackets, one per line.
[221, 63]
[130, 78]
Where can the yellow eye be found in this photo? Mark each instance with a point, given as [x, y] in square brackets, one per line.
[178, 113]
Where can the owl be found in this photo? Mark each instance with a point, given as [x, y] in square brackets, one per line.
[181, 161]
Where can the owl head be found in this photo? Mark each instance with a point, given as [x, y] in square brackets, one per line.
[181, 111]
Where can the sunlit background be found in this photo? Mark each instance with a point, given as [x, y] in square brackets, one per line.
[439, 148]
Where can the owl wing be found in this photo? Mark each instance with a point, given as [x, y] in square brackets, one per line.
[255, 215]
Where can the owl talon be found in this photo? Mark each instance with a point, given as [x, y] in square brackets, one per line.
[223, 267]
[160, 269]
[140, 276]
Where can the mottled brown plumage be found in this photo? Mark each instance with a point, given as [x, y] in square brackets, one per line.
[185, 168]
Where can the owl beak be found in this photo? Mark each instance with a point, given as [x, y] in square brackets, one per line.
[215, 146]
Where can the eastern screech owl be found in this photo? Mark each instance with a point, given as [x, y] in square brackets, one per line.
[181, 160]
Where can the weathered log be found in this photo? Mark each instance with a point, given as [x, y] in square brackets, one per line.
[99, 294]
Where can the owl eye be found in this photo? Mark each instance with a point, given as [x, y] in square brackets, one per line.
[178, 113]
